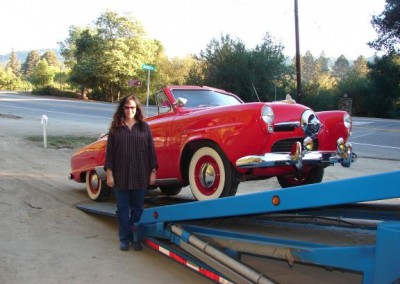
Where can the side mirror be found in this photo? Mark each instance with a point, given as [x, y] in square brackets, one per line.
[180, 102]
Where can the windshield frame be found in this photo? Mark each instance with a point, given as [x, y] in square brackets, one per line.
[205, 98]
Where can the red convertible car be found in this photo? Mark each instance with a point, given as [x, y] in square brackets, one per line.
[211, 140]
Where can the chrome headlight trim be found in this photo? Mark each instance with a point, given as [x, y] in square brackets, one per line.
[347, 121]
[267, 114]
[310, 123]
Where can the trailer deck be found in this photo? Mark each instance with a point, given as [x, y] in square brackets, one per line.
[345, 225]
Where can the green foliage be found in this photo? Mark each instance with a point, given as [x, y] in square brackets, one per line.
[383, 98]
[51, 58]
[250, 74]
[308, 68]
[14, 64]
[98, 95]
[341, 67]
[105, 57]
[323, 100]
[9, 81]
[30, 63]
[61, 78]
[387, 26]
[356, 85]
[42, 75]
[54, 92]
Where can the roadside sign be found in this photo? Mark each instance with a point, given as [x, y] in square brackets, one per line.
[134, 83]
[149, 67]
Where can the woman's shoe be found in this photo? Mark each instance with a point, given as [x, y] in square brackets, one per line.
[137, 246]
[124, 246]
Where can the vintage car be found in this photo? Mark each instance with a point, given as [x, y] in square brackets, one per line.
[211, 140]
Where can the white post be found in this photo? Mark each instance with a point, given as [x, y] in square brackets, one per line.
[148, 92]
[44, 123]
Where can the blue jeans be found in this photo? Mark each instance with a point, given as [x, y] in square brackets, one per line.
[129, 211]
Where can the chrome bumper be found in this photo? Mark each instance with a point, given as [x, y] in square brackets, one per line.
[299, 157]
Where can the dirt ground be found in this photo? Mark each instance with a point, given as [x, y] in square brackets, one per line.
[45, 239]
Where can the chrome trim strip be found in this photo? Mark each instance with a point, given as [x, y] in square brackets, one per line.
[289, 124]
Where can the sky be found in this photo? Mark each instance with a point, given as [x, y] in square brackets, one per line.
[337, 27]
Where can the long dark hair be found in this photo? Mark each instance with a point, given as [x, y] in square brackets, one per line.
[119, 115]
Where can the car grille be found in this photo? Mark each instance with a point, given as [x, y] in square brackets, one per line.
[287, 144]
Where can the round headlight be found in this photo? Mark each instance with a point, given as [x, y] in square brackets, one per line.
[310, 123]
[267, 114]
[347, 121]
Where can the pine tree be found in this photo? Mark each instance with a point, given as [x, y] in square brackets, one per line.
[14, 64]
[51, 58]
[30, 63]
[341, 67]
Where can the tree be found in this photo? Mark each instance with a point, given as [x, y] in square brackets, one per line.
[383, 98]
[356, 85]
[51, 57]
[61, 77]
[319, 84]
[30, 63]
[323, 76]
[268, 69]
[222, 60]
[251, 74]
[43, 75]
[8, 80]
[322, 64]
[195, 76]
[341, 67]
[103, 58]
[6, 77]
[14, 64]
[360, 67]
[308, 68]
[387, 25]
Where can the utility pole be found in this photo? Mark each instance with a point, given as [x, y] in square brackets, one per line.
[298, 68]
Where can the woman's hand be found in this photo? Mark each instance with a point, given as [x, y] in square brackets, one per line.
[153, 177]
[110, 179]
[110, 182]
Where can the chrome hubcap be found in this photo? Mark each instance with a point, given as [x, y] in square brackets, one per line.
[207, 175]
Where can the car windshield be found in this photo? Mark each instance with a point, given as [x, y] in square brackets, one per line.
[205, 98]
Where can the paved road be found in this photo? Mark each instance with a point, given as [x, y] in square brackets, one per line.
[376, 138]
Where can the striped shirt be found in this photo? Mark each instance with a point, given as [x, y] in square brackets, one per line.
[131, 156]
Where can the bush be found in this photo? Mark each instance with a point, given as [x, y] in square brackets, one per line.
[98, 95]
[321, 102]
[51, 91]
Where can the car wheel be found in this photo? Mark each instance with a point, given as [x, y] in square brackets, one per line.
[96, 188]
[314, 175]
[170, 191]
[211, 175]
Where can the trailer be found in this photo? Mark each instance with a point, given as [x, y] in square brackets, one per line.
[350, 225]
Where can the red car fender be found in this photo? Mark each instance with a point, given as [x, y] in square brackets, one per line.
[333, 128]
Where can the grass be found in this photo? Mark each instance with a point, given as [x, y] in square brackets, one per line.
[58, 142]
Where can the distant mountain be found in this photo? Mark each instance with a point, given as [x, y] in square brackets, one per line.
[21, 55]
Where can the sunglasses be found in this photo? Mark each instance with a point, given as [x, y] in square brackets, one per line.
[127, 107]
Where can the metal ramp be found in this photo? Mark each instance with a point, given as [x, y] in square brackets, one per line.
[331, 224]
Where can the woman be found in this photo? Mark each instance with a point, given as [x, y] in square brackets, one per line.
[131, 166]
